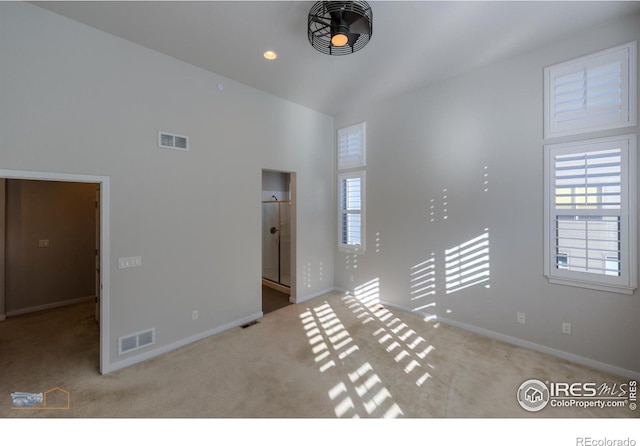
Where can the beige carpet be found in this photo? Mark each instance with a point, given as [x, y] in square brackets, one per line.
[330, 357]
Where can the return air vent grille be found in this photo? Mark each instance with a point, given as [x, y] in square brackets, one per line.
[136, 341]
[172, 141]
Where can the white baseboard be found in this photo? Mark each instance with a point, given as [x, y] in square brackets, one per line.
[300, 299]
[526, 344]
[113, 366]
[62, 303]
[2, 317]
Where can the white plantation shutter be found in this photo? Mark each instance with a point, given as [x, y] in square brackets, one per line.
[351, 213]
[590, 222]
[351, 146]
[351, 187]
[595, 92]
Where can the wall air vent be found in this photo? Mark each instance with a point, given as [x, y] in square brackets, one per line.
[172, 141]
[136, 341]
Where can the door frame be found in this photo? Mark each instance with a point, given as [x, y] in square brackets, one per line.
[293, 217]
[105, 191]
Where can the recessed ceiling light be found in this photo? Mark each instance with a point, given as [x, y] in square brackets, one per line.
[270, 55]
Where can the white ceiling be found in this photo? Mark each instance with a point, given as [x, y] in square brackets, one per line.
[413, 43]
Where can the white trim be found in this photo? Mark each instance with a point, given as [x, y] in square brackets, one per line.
[2, 317]
[591, 285]
[315, 295]
[112, 367]
[62, 303]
[525, 344]
[105, 243]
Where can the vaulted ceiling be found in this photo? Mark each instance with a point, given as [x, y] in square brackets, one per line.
[413, 43]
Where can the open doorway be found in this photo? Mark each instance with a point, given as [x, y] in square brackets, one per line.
[54, 247]
[50, 245]
[278, 239]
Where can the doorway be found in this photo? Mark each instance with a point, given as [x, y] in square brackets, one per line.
[278, 226]
[98, 257]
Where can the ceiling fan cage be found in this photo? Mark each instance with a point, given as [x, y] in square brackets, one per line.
[352, 18]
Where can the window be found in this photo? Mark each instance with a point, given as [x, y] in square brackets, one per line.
[590, 227]
[351, 187]
[351, 210]
[594, 92]
[351, 147]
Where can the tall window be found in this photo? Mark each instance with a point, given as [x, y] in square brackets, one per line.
[351, 187]
[590, 213]
[590, 184]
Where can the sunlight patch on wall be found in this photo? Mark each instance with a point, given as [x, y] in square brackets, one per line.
[440, 205]
[468, 264]
[486, 178]
[351, 261]
[422, 283]
[306, 275]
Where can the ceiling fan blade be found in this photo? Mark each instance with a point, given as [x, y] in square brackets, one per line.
[353, 38]
[360, 26]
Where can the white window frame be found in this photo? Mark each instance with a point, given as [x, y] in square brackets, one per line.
[591, 121]
[356, 154]
[627, 281]
[351, 163]
[362, 211]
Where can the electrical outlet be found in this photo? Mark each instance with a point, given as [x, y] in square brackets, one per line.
[521, 318]
[566, 328]
[194, 315]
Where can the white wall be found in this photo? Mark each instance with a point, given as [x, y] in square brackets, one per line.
[76, 100]
[449, 136]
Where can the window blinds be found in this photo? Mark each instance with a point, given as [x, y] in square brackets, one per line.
[351, 147]
[589, 207]
[351, 209]
[591, 93]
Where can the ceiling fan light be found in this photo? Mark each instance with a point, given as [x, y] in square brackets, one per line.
[339, 39]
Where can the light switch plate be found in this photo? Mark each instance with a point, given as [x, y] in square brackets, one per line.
[129, 262]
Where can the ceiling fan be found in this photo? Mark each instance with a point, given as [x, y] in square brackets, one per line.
[340, 27]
